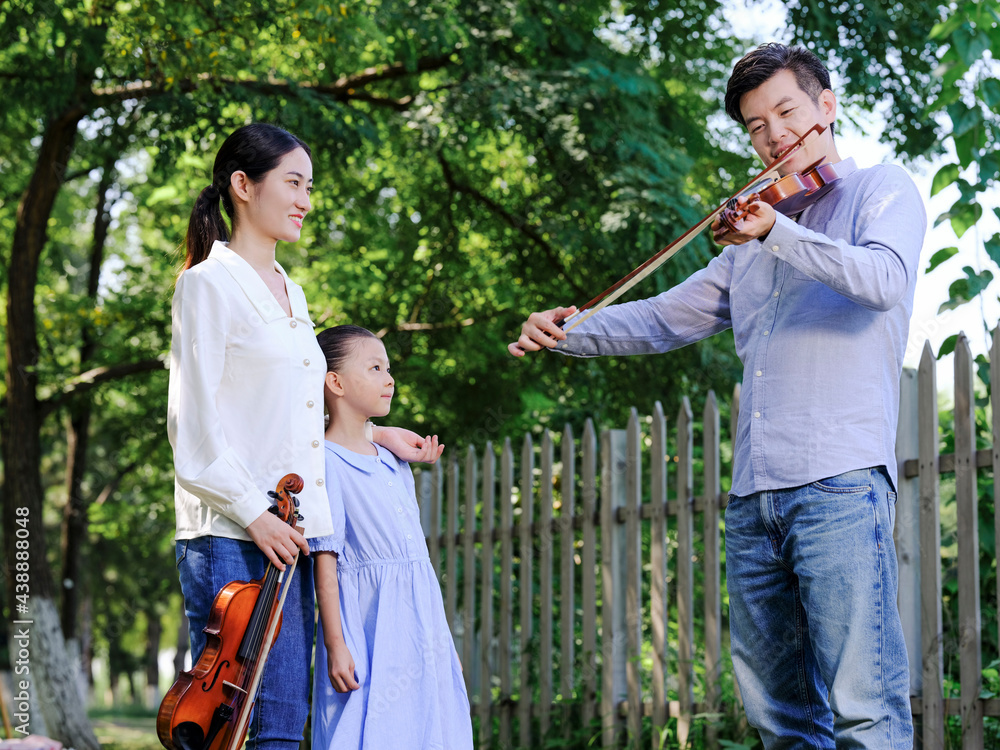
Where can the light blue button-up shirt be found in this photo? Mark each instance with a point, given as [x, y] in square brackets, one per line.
[820, 311]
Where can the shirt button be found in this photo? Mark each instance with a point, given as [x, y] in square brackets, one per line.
[319, 482]
[756, 415]
[775, 294]
[315, 443]
[390, 484]
[758, 373]
[765, 333]
[310, 404]
[399, 510]
[293, 323]
[774, 248]
[305, 362]
[409, 536]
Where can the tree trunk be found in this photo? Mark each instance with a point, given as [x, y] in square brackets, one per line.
[183, 642]
[74, 530]
[52, 678]
[154, 634]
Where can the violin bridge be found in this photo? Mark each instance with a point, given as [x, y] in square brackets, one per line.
[227, 683]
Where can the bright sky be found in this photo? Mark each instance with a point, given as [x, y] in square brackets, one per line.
[763, 21]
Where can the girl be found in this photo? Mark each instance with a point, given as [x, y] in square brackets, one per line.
[244, 407]
[392, 678]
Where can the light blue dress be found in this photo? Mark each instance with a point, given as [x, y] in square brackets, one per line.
[412, 693]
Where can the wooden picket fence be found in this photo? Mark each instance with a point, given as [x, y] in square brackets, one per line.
[558, 544]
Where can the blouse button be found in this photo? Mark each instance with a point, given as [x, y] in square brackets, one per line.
[319, 482]
[305, 362]
[310, 404]
[390, 484]
[409, 536]
[293, 323]
[315, 443]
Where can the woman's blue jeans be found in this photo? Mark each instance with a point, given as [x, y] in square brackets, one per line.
[206, 564]
[816, 639]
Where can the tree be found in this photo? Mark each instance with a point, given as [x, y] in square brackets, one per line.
[474, 161]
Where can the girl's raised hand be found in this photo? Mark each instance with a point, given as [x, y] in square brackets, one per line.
[408, 445]
[341, 666]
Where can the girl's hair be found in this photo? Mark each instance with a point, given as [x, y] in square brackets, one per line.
[338, 344]
[254, 149]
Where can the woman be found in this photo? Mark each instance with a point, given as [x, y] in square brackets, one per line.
[245, 407]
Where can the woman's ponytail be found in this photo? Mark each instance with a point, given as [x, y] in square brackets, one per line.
[255, 150]
[206, 226]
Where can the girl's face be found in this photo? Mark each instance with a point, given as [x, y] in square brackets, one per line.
[363, 382]
[278, 204]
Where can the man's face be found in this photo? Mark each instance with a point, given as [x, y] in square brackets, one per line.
[778, 113]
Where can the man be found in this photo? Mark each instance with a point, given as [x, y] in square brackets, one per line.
[820, 307]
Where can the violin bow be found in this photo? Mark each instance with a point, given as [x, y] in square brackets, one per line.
[621, 286]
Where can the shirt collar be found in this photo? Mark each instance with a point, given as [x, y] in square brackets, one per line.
[365, 463]
[256, 290]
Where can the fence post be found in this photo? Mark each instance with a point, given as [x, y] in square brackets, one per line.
[451, 543]
[434, 517]
[588, 568]
[633, 575]
[713, 575]
[685, 572]
[658, 553]
[567, 599]
[545, 544]
[966, 501]
[525, 589]
[613, 542]
[931, 630]
[486, 592]
[506, 592]
[469, 565]
[906, 534]
[995, 408]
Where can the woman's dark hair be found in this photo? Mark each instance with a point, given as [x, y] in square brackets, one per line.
[758, 66]
[254, 149]
[338, 344]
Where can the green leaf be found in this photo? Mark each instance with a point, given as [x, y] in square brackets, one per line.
[989, 167]
[989, 92]
[948, 345]
[964, 290]
[968, 144]
[964, 217]
[940, 257]
[993, 248]
[970, 44]
[947, 28]
[944, 177]
[963, 118]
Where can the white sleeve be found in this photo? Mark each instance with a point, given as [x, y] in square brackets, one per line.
[204, 462]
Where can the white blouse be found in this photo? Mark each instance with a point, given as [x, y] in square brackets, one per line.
[245, 404]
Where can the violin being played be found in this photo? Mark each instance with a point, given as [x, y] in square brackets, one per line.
[208, 708]
[790, 195]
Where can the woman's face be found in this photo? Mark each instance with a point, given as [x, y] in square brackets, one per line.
[279, 203]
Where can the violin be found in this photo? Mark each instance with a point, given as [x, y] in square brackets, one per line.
[208, 708]
[767, 178]
[789, 195]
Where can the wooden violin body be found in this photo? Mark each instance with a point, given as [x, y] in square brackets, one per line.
[208, 707]
[790, 194]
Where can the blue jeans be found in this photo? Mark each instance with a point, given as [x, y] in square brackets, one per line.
[206, 565]
[816, 640]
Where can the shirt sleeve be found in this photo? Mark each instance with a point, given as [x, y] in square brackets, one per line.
[879, 266]
[693, 310]
[335, 541]
[204, 462]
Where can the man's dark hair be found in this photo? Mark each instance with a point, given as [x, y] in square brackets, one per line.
[758, 66]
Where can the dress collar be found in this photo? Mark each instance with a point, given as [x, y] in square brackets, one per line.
[256, 290]
[365, 463]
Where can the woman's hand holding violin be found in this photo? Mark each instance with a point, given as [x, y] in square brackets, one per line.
[276, 539]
